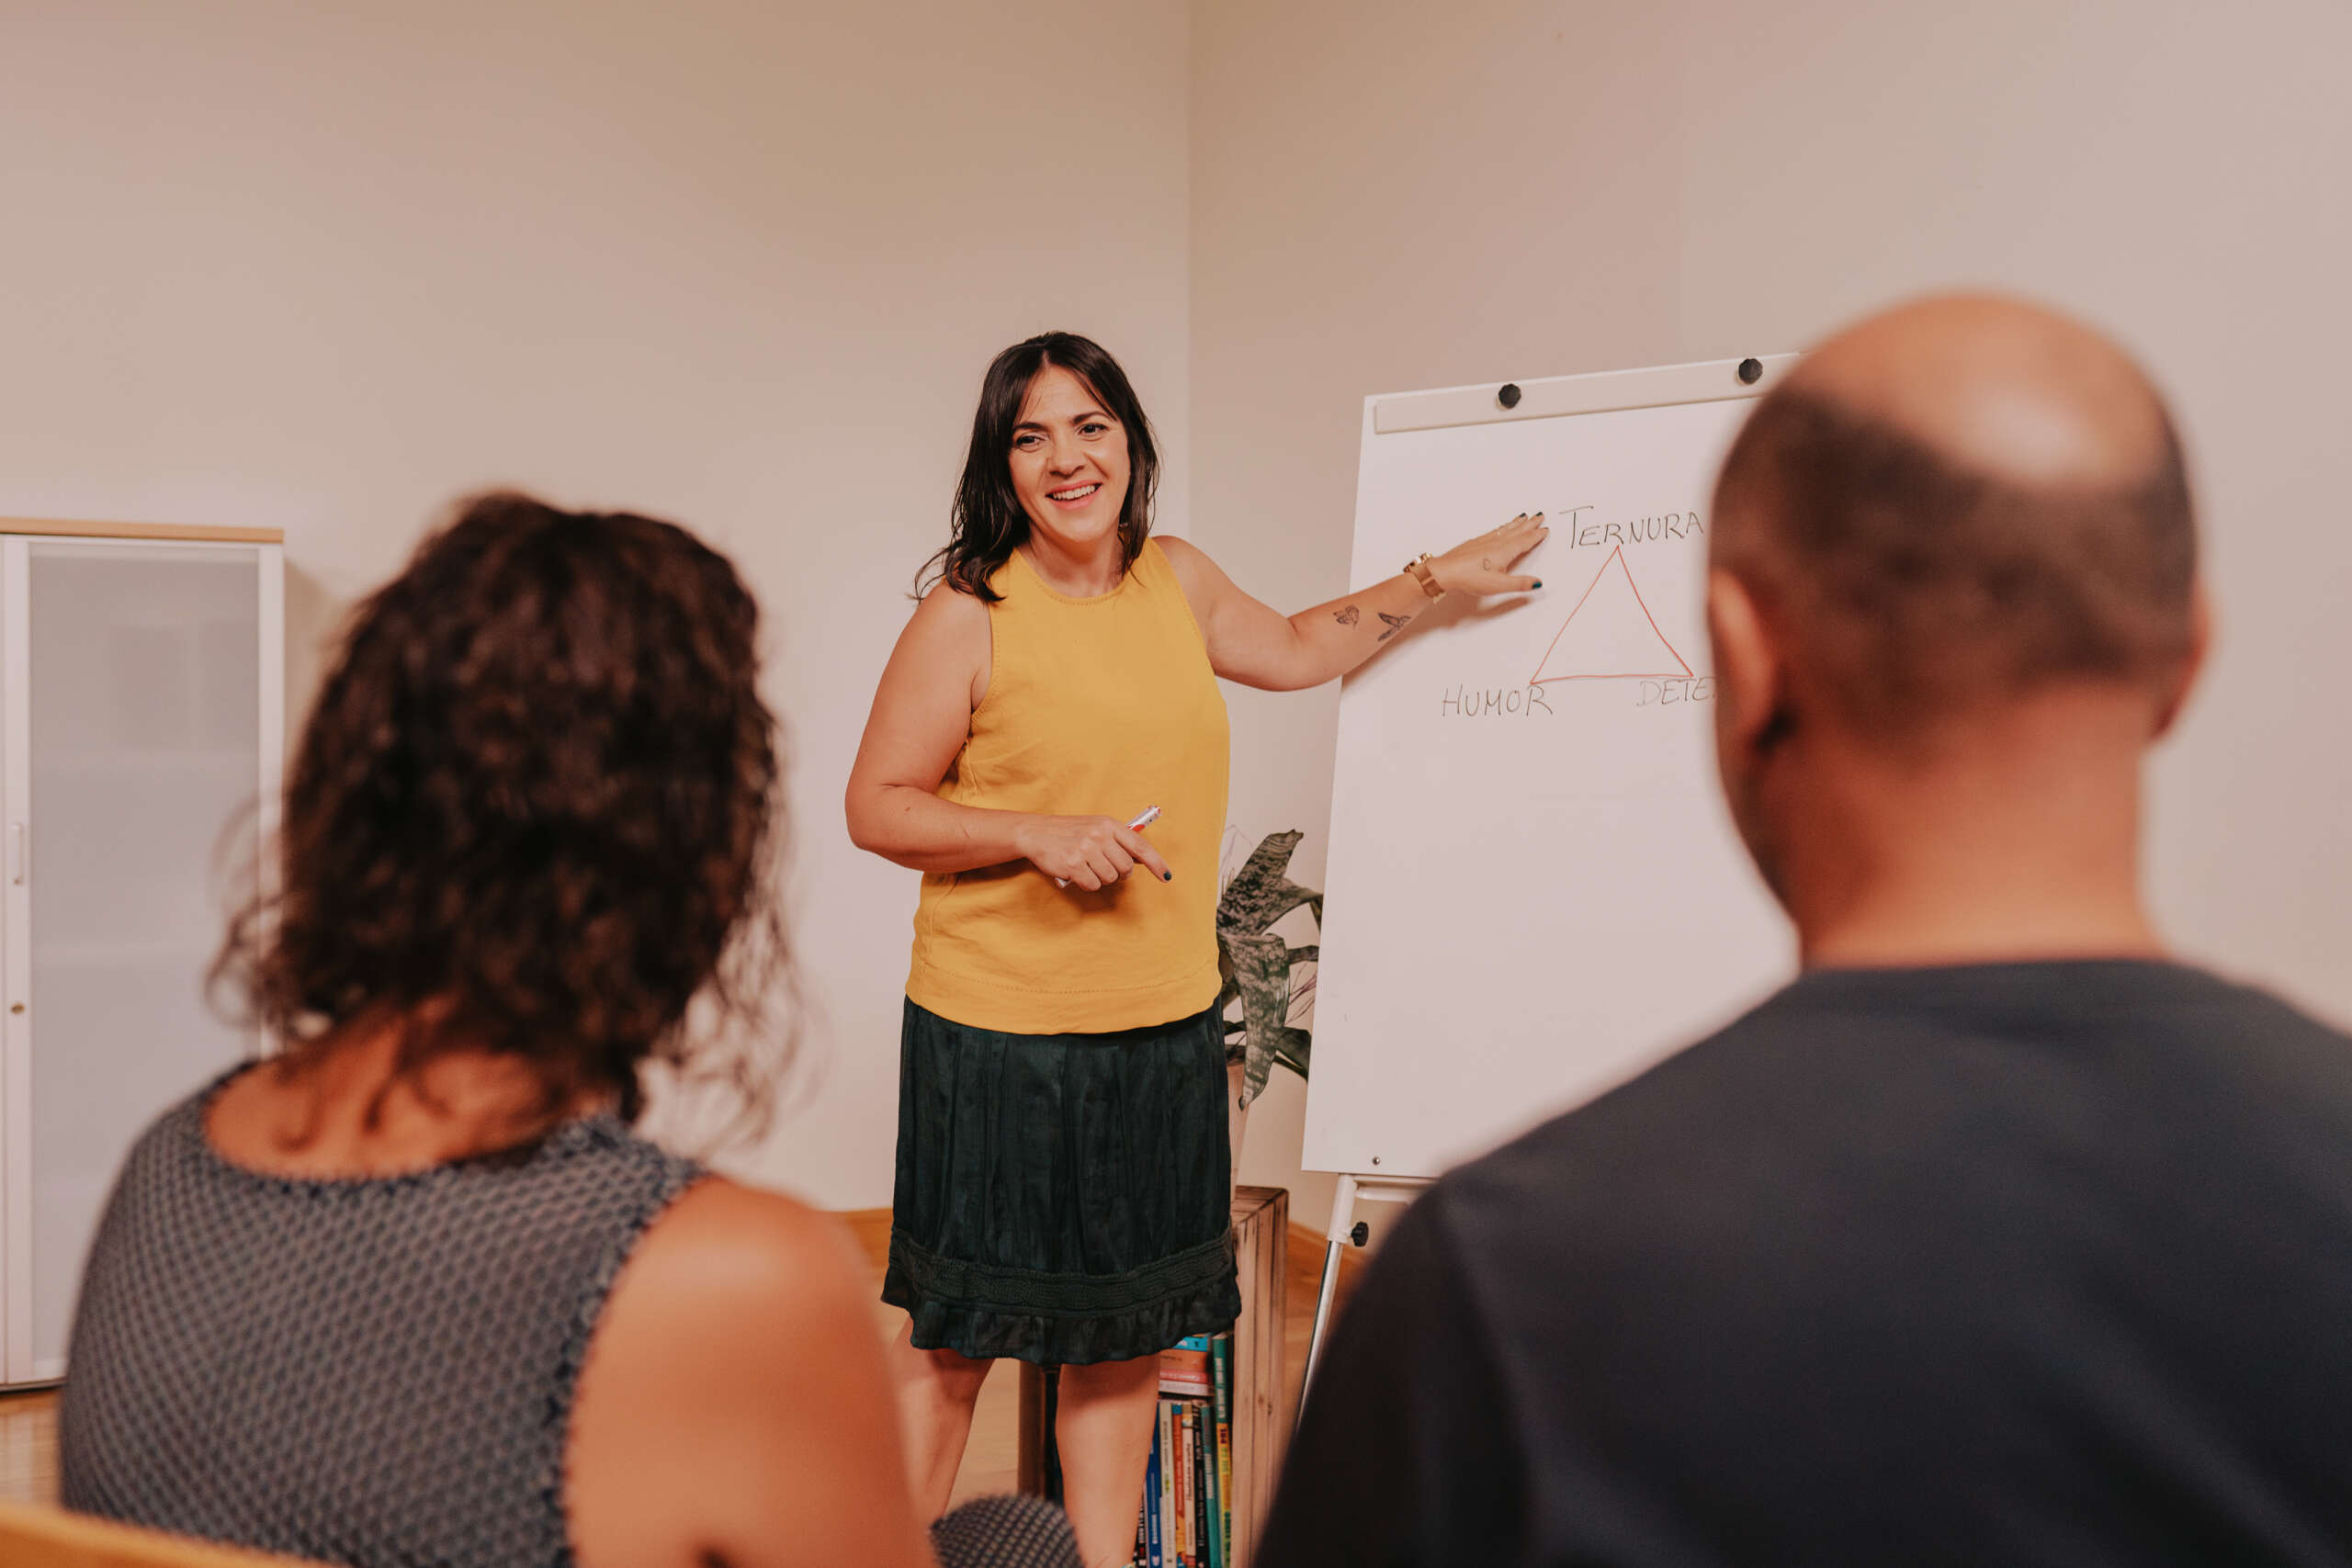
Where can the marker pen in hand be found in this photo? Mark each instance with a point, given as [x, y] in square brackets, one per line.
[1150, 814]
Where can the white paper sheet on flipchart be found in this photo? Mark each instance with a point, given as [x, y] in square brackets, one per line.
[1530, 904]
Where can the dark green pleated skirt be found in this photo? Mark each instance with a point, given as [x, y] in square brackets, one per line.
[1062, 1199]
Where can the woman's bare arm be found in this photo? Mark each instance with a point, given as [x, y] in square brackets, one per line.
[1258, 646]
[734, 1407]
[921, 716]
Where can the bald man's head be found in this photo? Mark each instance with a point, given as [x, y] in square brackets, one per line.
[1957, 502]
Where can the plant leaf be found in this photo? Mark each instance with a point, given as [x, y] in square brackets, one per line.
[1260, 894]
[1257, 964]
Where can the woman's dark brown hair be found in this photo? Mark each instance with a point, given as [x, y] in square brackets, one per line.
[533, 811]
[990, 521]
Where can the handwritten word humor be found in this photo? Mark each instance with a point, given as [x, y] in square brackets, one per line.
[1494, 701]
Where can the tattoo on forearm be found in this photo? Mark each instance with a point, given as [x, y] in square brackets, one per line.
[1396, 624]
[1346, 618]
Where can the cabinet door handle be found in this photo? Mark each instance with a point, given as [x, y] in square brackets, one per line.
[16, 854]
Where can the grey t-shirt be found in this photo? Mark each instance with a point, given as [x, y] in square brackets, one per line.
[2031, 1263]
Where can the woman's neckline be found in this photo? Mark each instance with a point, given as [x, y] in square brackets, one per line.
[565, 1132]
[1021, 553]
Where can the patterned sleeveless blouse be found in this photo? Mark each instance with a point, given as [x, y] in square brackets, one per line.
[368, 1371]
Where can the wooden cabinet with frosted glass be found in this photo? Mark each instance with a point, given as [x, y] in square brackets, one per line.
[142, 717]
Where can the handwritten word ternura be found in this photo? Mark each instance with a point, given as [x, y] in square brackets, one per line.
[1584, 533]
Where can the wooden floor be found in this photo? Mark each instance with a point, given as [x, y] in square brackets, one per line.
[28, 1421]
[28, 1448]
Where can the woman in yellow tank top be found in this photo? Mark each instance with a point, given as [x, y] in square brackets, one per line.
[1063, 1170]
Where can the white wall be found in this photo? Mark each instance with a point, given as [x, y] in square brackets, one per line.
[325, 266]
[322, 267]
[1398, 195]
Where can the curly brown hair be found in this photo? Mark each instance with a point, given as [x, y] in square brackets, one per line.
[534, 811]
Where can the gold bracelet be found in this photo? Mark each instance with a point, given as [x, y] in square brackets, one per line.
[1420, 570]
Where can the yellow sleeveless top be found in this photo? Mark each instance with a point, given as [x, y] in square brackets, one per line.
[1098, 706]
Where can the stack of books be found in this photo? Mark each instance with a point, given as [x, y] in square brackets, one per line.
[1187, 1519]
[1243, 1388]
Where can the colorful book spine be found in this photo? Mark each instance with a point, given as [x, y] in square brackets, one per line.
[1164, 1496]
[1143, 1557]
[1196, 1414]
[1184, 1369]
[1212, 1494]
[1186, 1549]
[1221, 1366]
[1154, 1478]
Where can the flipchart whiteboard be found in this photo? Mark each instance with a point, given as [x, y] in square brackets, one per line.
[1535, 890]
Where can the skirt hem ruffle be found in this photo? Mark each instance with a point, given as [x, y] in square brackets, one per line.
[1058, 1325]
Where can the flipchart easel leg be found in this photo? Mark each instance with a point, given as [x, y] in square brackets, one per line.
[1335, 1234]
[1345, 1231]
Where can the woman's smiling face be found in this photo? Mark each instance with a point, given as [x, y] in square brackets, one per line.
[1069, 461]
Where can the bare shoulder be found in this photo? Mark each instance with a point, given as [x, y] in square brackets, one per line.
[948, 639]
[948, 611]
[734, 1404]
[724, 1248]
[731, 1295]
[1206, 588]
[1187, 558]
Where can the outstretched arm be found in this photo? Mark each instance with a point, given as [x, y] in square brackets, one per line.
[1260, 646]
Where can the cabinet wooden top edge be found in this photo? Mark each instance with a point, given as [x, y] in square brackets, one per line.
[187, 533]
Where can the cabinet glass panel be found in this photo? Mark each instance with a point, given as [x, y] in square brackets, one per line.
[145, 682]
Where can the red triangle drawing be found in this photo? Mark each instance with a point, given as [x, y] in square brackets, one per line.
[1611, 635]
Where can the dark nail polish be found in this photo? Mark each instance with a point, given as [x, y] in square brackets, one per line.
[1167, 876]
[1539, 582]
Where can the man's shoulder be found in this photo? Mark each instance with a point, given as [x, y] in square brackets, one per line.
[1840, 1072]
[2239, 1008]
[1622, 1166]
[1654, 1109]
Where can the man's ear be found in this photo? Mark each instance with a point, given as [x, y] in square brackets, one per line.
[2184, 679]
[1751, 673]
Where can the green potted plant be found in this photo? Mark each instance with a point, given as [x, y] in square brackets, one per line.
[1259, 967]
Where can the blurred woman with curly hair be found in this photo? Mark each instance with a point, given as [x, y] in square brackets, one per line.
[413, 1291]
